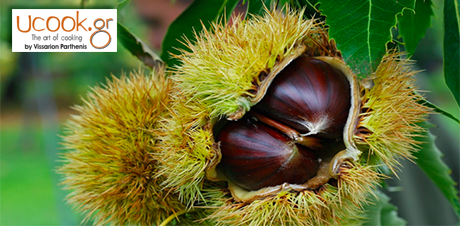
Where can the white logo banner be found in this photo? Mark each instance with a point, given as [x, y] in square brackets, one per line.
[64, 30]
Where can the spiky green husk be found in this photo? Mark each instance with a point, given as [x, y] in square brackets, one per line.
[216, 81]
[186, 148]
[328, 205]
[109, 165]
[219, 78]
[390, 113]
[224, 67]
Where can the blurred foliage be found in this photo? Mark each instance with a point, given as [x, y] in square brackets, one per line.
[36, 92]
[29, 196]
[8, 61]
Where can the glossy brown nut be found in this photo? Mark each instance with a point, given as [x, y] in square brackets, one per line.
[309, 95]
[255, 156]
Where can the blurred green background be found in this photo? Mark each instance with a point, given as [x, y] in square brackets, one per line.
[38, 90]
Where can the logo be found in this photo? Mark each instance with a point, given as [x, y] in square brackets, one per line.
[64, 30]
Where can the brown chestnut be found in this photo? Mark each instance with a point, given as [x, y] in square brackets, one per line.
[310, 96]
[282, 139]
[255, 156]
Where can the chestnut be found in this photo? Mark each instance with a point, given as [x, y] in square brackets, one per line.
[284, 137]
[255, 156]
[310, 96]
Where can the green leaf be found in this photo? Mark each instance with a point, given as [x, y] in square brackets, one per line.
[200, 13]
[137, 47]
[381, 212]
[284, 2]
[361, 29]
[413, 24]
[308, 3]
[429, 160]
[452, 47]
[229, 7]
[256, 7]
[299, 4]
[122, 3]
[438, 110]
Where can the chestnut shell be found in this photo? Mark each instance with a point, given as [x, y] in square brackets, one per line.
[310, 96]
[255, 156]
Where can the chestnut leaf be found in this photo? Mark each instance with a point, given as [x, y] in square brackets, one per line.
[200, 13]
[429, 160]
[438, 110]
[381, 212]
[121, 4]
[452, 47]
[137, 47]
[362, 28]
[412, 24]
[256, 7]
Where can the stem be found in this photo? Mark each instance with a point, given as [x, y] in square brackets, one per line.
[172, 216]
